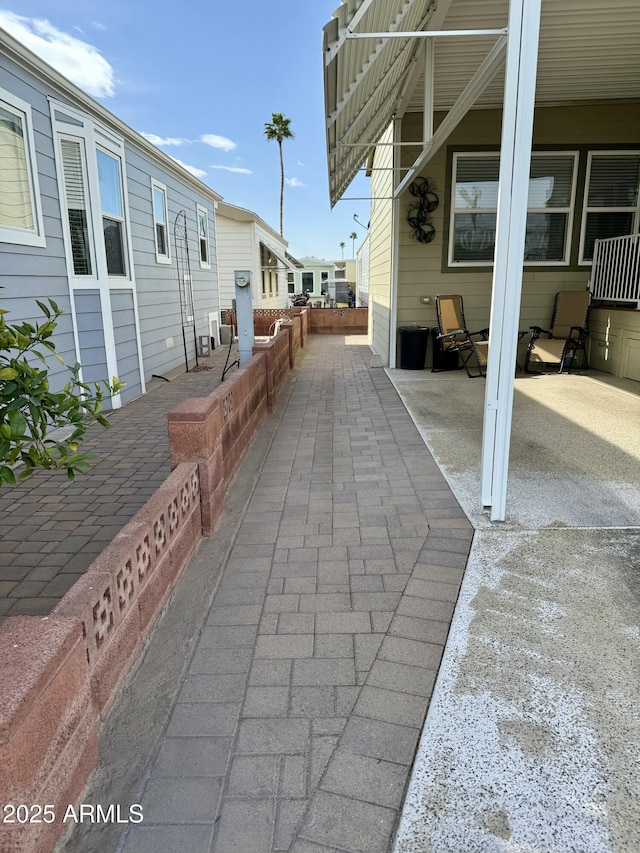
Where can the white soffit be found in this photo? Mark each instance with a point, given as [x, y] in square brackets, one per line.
[589, 53]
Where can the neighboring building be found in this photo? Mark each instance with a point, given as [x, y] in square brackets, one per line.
[96, 218]
[362, 274]
[312, 277]
[245, 242]
[324, 281]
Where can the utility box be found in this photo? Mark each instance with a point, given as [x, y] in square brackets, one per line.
[204, 345]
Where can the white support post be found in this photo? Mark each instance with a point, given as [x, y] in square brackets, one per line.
[515, 165]
[395, 244]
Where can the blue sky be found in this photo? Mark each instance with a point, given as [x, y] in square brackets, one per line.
[204, 77]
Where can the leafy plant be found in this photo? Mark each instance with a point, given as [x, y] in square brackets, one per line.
[29, 410]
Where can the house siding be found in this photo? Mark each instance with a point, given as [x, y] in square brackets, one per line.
[145, 304]
[234, 253]
[422, 269]
[22, 266]
[239, 248]
[93, 354]
[157, 286]
[124, 324]
[380, 248]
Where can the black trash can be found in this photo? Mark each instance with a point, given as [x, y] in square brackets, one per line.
[442, 360]
[413, 347]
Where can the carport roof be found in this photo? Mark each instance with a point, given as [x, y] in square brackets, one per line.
[588, 54]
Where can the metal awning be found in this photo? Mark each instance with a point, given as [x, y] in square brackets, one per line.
[588, 54]
[364, 79]
[297, 265]
[285, 260]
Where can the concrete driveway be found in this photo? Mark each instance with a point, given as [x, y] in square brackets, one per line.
[532, 739]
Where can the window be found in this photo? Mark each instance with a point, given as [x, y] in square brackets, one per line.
[203, 237]
[324, 282]
[90, 164]
[307, 282]
[159, 203]
[20, 212]
[475, 199]
[269, 269]
[611, 198]
[109, 179]
[74, 178]
[291, 283]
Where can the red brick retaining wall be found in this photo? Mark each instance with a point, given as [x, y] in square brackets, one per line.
[59, 674]
[319, 321]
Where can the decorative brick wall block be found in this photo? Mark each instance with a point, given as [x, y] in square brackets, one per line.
[48, 722]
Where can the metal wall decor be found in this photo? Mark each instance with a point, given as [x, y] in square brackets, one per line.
[419, 212]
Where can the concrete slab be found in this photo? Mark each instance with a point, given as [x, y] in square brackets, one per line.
[532, 739]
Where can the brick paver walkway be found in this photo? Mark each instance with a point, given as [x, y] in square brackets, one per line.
[295, 725]
[51, 529]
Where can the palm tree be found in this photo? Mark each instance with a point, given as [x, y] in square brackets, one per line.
[342, 245]
[278, 128]
[353, 237]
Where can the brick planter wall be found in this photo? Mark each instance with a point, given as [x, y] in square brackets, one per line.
[60, 673]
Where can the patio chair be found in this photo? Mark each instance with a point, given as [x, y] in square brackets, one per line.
[454, 336]
[565, 337]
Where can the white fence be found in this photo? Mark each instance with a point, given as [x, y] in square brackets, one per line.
[615, 275]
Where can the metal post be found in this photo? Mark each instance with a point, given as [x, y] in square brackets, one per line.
[244, 315]
[515, 165]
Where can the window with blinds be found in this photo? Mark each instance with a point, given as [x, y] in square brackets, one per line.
[20, 213]
[73, 170]
[611, 206]
[550, 204]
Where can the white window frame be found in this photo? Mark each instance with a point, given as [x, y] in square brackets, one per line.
[586, 210]
[568, 211]
[119, 218]
[204, 265]
[74, 125]
[34, 236]
[156, 186]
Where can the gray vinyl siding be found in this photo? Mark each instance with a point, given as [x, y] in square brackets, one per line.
[124, 327]
[28, 273]
[93, 357]
[157, 283]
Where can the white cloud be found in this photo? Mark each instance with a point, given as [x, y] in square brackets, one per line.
[197, 173]
[216, 141]
[79, 61]
[164, 140]
[238, 169]
[293, 182]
